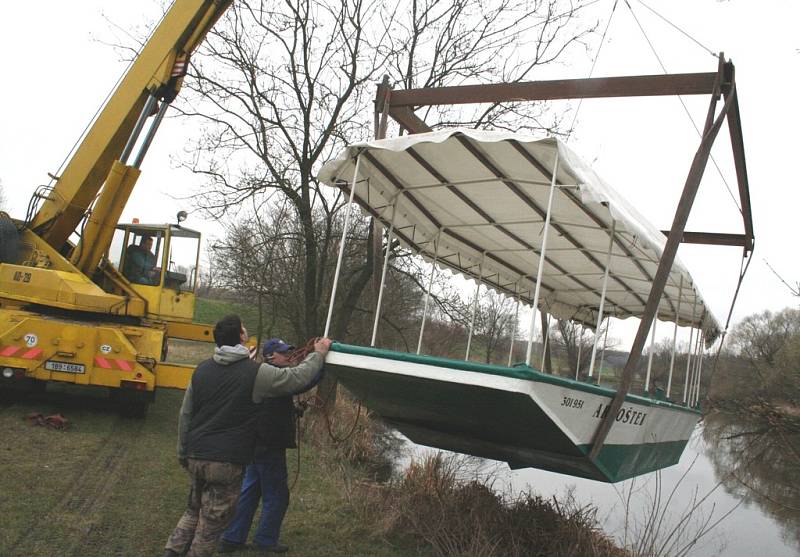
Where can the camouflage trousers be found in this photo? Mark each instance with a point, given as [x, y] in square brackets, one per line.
[211, 506]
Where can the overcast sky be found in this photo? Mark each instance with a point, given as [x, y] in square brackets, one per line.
[57, 71]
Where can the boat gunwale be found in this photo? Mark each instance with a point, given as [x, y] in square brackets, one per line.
[520, 371]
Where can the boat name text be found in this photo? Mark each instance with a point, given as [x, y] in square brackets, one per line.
[624, 415]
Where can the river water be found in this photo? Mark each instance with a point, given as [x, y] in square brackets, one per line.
[752, 479]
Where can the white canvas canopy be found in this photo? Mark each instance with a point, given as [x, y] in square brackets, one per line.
[484, 196]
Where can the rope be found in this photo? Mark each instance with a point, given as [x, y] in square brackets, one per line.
[297, 466]
[684, 33]
[321, 403]
[683, 104]
[742, 272]
[594, 63]
[793, 290]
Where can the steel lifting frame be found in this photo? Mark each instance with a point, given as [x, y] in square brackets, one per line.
[401, 104]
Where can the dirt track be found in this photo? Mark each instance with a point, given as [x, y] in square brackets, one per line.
[67, 493]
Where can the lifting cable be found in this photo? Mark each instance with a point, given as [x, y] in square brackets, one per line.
[594, 63]
[743, 267]
[54, 177]
[680, 98]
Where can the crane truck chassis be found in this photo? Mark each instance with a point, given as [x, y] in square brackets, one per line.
[85, 299]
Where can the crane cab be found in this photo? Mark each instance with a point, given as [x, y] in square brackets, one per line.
[160, 262]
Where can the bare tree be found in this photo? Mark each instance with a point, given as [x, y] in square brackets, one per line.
[281, 87]
[759, 337]
[451, 42]
[574, 341]
[494, 322]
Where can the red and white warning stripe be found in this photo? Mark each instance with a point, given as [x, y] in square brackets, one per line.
[113, 363]
[20, 352]
[180, 68]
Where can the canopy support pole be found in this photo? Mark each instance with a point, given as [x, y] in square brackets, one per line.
[428, 291]
[602, 296]
[710, 131]
[699, 372]
[675, 336]
[689, 353]
[514, 325]
[341, 246]
[383, 275]
[603, 351]
[693, 371]
[579, 340]
[541, 262]
[650, 356]
[696, 367]
[474, 307]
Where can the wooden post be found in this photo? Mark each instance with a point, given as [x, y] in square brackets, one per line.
[547, 365]
[667, 258]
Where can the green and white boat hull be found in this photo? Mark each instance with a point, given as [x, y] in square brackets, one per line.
[517, 415]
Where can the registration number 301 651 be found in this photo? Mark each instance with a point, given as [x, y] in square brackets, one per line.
[64, 367]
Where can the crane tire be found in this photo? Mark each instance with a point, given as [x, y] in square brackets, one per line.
[9, 239]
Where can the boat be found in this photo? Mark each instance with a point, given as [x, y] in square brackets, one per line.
[526, 217]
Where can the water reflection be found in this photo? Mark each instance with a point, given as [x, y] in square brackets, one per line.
[714, 468]
[756, 454]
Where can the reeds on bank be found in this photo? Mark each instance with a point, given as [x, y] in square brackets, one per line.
[437, 503]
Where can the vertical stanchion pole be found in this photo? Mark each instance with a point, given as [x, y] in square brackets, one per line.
[580, 346]
[675, 335]
[603, 296]
[699, 372]
[428, 291]
[693, 373]
[603, 352]
[341, 246]
[697, 360]
[689, 351]
[542, 256]
[383, 275]
[475, 306]
[650, 356]
[514, 325]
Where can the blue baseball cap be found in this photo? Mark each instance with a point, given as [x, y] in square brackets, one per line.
[275, 345]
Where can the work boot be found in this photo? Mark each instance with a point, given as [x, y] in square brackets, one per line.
[171, 553]
[267, 549]
[230, 547]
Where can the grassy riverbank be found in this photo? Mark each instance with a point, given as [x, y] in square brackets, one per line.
[112, 486]
[109, 485]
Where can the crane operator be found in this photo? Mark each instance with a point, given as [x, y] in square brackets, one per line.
[140, 262]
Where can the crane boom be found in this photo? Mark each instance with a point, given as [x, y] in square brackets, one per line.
[155, 75]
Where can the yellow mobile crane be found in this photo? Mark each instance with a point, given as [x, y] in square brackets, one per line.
[99, 310]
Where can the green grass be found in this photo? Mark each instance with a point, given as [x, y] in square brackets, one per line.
[207, 310]
[112, 486]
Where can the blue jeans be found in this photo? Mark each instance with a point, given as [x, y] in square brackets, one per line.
[266, 480]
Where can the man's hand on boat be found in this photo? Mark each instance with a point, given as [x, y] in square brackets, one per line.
[322, 346]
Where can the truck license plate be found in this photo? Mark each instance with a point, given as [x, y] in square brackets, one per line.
[64, 367]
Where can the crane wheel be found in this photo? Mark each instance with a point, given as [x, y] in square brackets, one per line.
[9, 240]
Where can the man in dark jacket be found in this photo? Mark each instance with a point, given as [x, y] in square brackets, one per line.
[217, 429]
[267, 478]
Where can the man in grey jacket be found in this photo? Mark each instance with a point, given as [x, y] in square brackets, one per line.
[217, 430]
